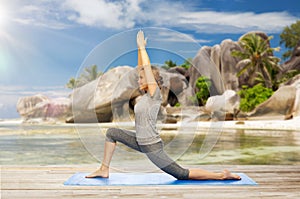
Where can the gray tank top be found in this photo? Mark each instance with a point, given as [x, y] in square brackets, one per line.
[146, 111]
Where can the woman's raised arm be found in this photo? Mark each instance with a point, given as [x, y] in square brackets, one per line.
[144, 63]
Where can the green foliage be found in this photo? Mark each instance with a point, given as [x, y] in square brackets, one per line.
[251, 97]
[257, 60]
[285, 77]
[89, 74]
[187, 63]
[169, 64]
[177, 104]
[72, 83]
[290, 37]
[203, 84]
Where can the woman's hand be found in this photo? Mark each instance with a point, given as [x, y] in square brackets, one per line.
[140, 40]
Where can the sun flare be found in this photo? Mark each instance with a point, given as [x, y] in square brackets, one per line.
[3, 16]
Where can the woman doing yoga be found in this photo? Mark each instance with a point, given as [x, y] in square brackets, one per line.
[146, 138]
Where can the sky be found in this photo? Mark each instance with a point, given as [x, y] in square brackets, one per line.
[43, 43]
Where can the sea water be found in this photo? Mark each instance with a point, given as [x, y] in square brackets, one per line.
[83, 144]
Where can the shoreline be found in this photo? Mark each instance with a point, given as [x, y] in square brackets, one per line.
[284, 125]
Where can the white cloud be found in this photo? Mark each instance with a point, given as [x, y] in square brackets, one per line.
[173, 36]
[232, 22]
[134, 13]
[101, 13]
[40, 13]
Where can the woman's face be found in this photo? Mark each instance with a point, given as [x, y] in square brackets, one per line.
[142, 81]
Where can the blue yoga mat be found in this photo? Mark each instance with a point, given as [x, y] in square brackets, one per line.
[135, 179]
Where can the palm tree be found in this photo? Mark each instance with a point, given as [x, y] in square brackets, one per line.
[257, 59]
[290, 37]
[89, 74]
[72, 83]
[169, 64]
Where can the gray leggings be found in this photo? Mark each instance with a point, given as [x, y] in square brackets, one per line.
[155, 152]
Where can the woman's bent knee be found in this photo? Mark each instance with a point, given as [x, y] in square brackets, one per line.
[110, 135]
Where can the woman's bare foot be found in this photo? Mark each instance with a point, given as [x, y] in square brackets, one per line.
[99, 173]
[229, 176]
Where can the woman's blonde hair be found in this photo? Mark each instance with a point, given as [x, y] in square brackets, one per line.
[158, 78]
[156, 74]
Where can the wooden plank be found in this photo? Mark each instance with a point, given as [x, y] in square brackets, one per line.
[275, 181]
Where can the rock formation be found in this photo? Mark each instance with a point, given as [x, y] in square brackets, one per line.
[43, 108]
[112, 96]
[202, 65]
[279, 106]
[228, 67]
[223, 107]
[228, 102]
[295, 81]
[26, 105]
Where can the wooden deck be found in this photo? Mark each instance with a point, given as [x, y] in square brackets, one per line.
[40, 182]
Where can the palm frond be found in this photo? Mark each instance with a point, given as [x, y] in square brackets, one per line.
[245, 64]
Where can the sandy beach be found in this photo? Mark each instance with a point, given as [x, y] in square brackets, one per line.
[290, 125]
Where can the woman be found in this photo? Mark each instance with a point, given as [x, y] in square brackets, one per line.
[146, 139]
